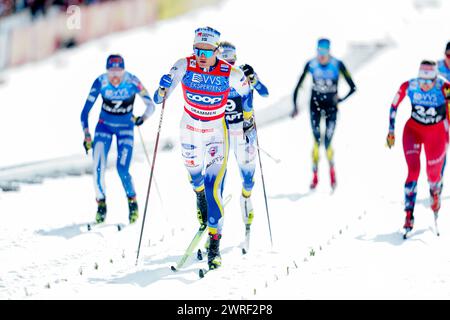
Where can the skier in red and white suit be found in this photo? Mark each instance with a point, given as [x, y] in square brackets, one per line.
[429, 95]
[206, 82]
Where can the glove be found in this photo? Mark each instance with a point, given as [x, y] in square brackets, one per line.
[249, 130]
[294, 113]
[390, 139]
[87, 143]
[138, 121]
[250, 74]
[166, 81]
[248, 70]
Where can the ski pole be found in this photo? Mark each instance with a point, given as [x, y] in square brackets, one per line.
[151, 176]
[270, 156]
[263, 184]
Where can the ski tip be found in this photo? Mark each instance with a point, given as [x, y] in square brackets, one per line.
[89, 227]
[119, 227]
[244, 251]
[201, 273]
[405, 236]
[173, 268]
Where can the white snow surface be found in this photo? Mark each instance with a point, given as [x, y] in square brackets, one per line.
[345, 245]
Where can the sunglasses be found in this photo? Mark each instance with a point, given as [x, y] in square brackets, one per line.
[426, 81]
[208, 53]
[116, 72]
[323, 51]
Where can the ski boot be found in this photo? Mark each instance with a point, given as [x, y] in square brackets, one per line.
[315, 181]
[214, 258]
[332, 178]
[101, 211]
[246, 208]
[409, 221]
[435, 202]
[133, 207]
[202, 208]
[247, 216]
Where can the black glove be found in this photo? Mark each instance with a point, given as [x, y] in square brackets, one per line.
[138, 121]
[248, 70]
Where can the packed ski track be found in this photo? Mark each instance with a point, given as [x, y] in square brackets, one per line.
[345, 244]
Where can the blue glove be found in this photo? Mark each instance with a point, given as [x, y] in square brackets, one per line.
[249, 130]
[166, 81]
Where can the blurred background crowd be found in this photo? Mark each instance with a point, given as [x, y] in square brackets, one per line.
[39, 7]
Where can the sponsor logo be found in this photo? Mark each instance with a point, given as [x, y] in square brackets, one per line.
[207, 79]
[126, 133]
[224, 67]
[117, 108]
[425, 98]
[216, 160]
[214, 142]
[413, 84]
[192, 63]
[188, 146]
[212, 151]
[103, 135]
[127, 142]
[197, 78]
[189, 155]
[234, 117]
[203, 99]
[440, 159]
[191, 128]
[409, 152]
[204, 113]
[119, 94]
[189, 163]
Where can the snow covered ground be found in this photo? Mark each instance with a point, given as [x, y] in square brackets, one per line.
[326, 246]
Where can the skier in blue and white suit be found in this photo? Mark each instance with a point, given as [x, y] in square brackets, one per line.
[118, 89]
[244, 151]
[444, 64]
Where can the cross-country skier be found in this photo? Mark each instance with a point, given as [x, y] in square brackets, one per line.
[325, 70]
[206, 82]
[428, 94]
[444, 64]
[444, 71]
[244, 151]
[118, 89]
